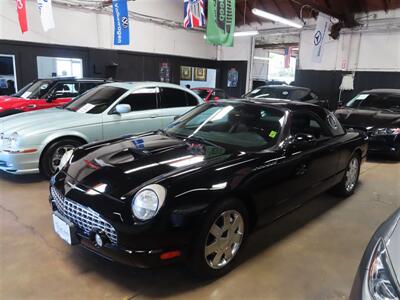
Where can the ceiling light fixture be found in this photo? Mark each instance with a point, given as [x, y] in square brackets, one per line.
[261, 58]
[275, 18]
[246, 33]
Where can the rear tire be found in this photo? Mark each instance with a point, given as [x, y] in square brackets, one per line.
[221, 240]
[51, 156]
[347, 186]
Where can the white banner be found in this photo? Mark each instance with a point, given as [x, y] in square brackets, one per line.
[46, 14]
[320, 37]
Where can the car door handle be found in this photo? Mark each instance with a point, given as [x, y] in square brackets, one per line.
[31, 106]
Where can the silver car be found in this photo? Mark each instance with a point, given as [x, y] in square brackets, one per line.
[378, 276]
[36, 141]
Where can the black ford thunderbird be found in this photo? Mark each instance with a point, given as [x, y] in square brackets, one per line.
[197, 189]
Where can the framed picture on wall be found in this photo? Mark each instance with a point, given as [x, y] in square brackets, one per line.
[200, 74]
[233, 78]
[186, 73]
[165, 72]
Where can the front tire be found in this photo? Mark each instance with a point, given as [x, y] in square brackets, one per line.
[53, 153]
[221, 240]
[347, 186]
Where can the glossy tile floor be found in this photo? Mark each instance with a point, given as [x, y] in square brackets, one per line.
[310, 254]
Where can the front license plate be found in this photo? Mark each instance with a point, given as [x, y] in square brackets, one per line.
[63, 229]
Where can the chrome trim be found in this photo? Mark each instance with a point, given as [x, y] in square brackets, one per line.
[83, 217]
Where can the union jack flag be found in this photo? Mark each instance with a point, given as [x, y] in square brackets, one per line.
[194, 14]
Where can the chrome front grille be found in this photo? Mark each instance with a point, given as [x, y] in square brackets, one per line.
[83, 217]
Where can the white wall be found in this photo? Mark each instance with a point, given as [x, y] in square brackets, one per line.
[376, 48]
[80, 27]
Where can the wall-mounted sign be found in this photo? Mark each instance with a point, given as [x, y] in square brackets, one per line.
[165, 72]
[186, 73]
[233, 78]
[320, 37]
[200, 74]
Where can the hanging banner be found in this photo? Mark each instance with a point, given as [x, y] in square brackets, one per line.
[288, 56]
[221, 22]
[194, 14]
[21, 9]
[46, 14]
[320, 36]
[121, 22]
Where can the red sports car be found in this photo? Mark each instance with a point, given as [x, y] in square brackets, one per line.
[209, 94]
[45, 93]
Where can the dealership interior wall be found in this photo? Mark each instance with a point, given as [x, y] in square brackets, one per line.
[316, 249]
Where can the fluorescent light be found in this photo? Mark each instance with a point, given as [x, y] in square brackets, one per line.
[261, 58]
[246, 33]
[275, 18]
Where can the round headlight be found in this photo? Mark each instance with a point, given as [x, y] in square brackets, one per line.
[148, 201]
[65, 159]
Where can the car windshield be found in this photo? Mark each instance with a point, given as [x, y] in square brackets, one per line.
[375, 101]
[279, 93]
[36, 89]
[96, 100]
[241, 126]
[202, 93]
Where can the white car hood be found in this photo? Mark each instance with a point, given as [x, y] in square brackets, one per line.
[42, 121]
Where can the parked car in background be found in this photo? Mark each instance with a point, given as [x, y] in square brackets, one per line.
[378, 276]
[196, 190]
[259, 83]
[36, 141]
[376, 112]
[46, 93]
[287, 92]
[209, 94]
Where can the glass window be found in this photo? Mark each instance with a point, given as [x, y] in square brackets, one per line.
[220, 94]
[96, 100]
[303, 123]
[376, 101]
[37, 90]
[65, 90]
[241, 126]
[143, 99]
[172, 98]
[85, 86]
[202, 93]
[191, 100]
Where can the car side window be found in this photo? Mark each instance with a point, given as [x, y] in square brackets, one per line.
[304, 123]
[142, 99]
[85, 86]
[65, 90]
[220, 94]
[191, 100]
[171, 97]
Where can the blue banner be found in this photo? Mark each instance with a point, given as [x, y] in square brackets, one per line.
[121, 22]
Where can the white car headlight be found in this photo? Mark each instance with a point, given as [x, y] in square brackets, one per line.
[381, 277]
[10, 143]
[147, 202]
[65, 159]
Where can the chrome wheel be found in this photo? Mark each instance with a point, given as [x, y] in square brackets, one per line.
[352, 174]
[224, 239]
[58, 154]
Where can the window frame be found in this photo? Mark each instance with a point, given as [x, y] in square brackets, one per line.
[122, 98]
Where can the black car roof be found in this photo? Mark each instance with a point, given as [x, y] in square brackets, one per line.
[279, 103]
[382, 91]
[283, 87]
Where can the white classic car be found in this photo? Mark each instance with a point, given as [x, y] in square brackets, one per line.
[35, 142]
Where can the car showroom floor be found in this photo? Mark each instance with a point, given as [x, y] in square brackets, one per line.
[310, 254]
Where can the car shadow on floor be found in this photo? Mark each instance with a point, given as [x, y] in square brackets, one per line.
[176, 279]
[34, 178]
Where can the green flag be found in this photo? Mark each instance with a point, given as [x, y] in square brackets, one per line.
[221, 22]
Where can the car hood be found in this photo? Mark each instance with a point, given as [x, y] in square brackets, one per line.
[9, 102]
[362, 118]
[120, 166]
[46, 120]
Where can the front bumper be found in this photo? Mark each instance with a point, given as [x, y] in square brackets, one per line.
[20, 163]
[114, 250]
[385, 144]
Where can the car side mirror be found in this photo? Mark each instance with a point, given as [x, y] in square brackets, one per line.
[301, 142]
[340, 104]
[123, 109]
[176, 118]
[51, 98]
